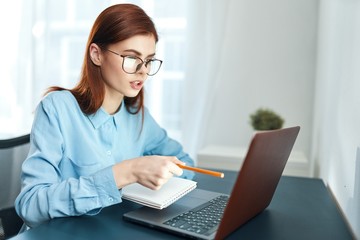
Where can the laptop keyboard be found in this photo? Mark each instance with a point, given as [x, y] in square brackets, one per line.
[203, 219]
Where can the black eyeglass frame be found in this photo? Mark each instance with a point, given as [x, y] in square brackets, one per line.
[138, 67]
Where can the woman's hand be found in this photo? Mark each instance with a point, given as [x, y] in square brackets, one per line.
[149, 171]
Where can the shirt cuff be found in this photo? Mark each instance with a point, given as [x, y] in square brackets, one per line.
[106, 188]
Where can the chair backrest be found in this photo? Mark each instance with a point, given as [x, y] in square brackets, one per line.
[13, 152]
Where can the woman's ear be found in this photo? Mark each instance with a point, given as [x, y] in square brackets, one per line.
[95, 54]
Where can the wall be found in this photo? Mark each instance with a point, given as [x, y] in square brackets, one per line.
[268, 60]
[300, 58]
[336, 139]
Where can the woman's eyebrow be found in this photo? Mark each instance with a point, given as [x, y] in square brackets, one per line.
[137, 52]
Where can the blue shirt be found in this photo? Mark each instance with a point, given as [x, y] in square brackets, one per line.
[68, 171]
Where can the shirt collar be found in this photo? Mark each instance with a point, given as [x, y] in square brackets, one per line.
[101, 116]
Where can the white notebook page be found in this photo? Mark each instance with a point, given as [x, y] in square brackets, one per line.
[171, 191]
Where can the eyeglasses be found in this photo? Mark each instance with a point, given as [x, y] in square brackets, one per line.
[132, 64]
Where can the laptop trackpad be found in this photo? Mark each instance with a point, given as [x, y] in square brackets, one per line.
[196, 198]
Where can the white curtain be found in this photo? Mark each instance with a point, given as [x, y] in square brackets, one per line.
[15, 68]
[36, 36]
[206, 21]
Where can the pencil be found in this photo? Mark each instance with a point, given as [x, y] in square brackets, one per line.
[204, 171]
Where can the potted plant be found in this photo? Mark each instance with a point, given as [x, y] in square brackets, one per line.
[266, 119]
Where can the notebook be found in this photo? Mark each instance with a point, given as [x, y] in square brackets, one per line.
[170, 192]
[253, 190]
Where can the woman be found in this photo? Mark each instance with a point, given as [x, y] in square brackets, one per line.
[90, 141]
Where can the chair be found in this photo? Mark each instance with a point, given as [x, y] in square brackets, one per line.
[13, 152]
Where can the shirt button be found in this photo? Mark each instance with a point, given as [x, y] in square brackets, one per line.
[111, 199]
[108, 152]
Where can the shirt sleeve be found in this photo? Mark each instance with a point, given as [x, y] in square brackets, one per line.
[45, 194]
[159, 143]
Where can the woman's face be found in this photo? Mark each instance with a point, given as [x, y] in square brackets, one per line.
[117, 82]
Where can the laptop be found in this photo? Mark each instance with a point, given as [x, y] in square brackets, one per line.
[253, 190]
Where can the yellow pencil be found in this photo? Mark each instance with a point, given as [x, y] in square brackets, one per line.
[204, 171]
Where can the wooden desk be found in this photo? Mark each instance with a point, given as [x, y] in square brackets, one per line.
[302, 208]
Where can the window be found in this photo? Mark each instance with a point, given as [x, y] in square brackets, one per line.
[165, 89]
[48, 48]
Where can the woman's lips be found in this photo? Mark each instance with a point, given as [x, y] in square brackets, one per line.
[137, 85]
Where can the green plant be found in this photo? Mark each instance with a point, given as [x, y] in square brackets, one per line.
[266, 119]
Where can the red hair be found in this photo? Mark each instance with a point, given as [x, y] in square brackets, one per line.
[116, 23]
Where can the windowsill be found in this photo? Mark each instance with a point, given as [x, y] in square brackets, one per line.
[231, 158]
